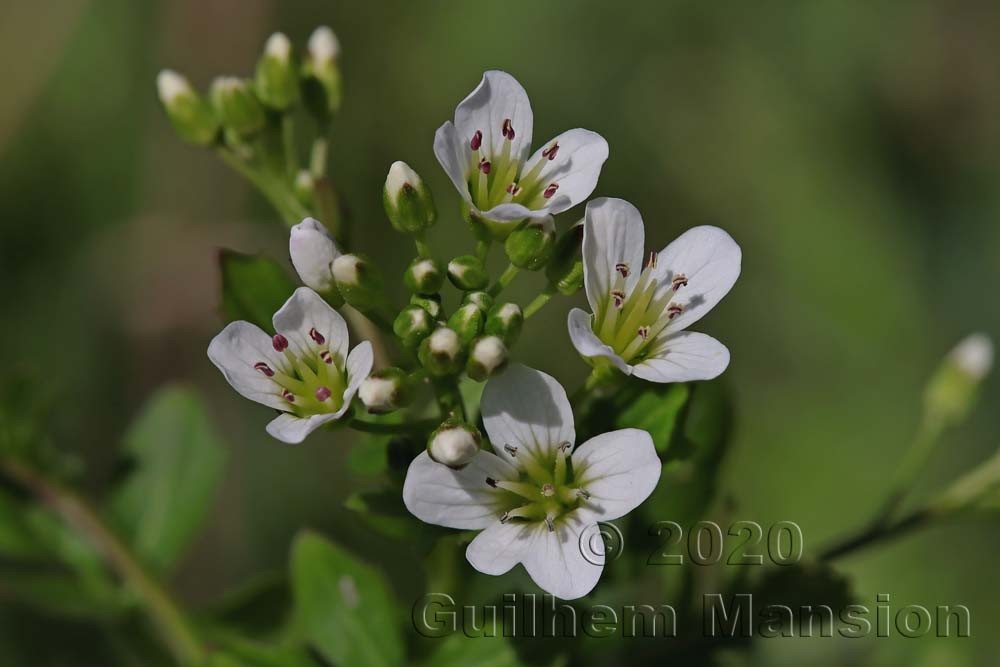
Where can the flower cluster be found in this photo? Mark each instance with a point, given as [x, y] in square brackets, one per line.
[516, 474]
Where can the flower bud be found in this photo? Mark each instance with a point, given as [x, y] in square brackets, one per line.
[530, 245]
[237, 106]
[277, 79]
[385, 390]
[408, 201]
[412, 325]
[565, 267]
[431, 303]
[424, 276]
[358, 280]
[481, 299]
[505, 320]
[305, 189]
[952, 391]
[467, 322]
[313, 252]
[467, 273]
[441, 353]
[191, 116]
[454, 444]
[321, 73]
[487, 357]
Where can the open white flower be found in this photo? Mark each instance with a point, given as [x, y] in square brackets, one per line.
[304, 370]
[535, 502]
[640, 312]
[485, 153]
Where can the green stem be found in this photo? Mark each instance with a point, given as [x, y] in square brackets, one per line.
[280, 197]
[288, 142]
[423, 247]
[483, 249]
[449, 399]
[171, 622]
[422, 426]
[539, 301]
[504, 280]
[914, 461]
[877, 533]
[598, 376]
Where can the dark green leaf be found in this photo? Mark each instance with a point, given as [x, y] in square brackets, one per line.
[368, 458]
[344, 606]
[656, 409]
[240, 652]
[258, 608]
[253, 287]
[179, 463]
[457, 650]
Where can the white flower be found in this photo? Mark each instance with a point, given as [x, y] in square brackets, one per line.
[304, 370]
[640, 313]
[313, 252]
[974, 356]
[534, 501]
[485, 153]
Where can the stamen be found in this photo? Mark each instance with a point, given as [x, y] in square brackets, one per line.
[623, 269]
[279, 342]
[323, 393]
[514, 189]
[551, 151]
[673, 310]
[619, 298]
[264, 368]
[510, 449]
[548, 490]
[653, 258]
[316, 336]
[288, 396]
[679, 281]
[484, 166]
[477, 141]
[491, 482]
[565, 445]
[583, 493]
[505, 517]
[548, 522]
[326, 356]
[643, 332]
[507, 129]
[551, 190]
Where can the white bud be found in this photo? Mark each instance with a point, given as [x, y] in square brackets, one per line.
[313, 252]
[454, 445]
[278, 46]
[345, 269]
[444, 341]
[974, 356]
[323, 45]
[384, 390]
[401, 174]
[170, 85]
[490, 353]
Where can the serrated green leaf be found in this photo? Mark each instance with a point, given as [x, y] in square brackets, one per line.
[179, 463]
[344, 606]
[457, 650]
[253, 287]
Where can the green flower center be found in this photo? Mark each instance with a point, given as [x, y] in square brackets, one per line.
[546, 489]
[311, 384]
[504, 178]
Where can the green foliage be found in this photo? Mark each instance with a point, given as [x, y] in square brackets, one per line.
[344, 606]
[253, 287]
[179, 463]
[457, 650]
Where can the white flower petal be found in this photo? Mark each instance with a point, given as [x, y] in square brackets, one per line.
[501, 546]
[619, 470]
[293, 430]
[710, 259]
[612, 234]
[512, 213]
[235, 350]
[312, 250]
[359, 367]
[682, 357]
[462, 499]
[575, 169]
[306, 310]
[586, 342]
[497, 98]
[555, 560]
[529, 410]
[454, 155]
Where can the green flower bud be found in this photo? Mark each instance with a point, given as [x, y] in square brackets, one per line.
[412, 325]
[481, 299]
[408, 201]
[565, 267]
[442, 352]
[530, 245]
[277, 79]
[305, 189]
[454, 443]
[952, 391]
[467, 273]
[237, 106]
[192, 117]
[467, 322]
[431, 303]
[385, 390]
[505, 321]
[487, 357]
[322, 82]
[424, 276]
[358, 281]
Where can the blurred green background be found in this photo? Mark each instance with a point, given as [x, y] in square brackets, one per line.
[852, 149]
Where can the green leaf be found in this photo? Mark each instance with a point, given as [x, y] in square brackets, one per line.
[240, 652]
[369, 457]
[258, 608]
[383, 511]
[253, 287]
[18, 538]
[457, 650]
[61, 593]
[657, 410]
[344, 605]
[179, 463]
